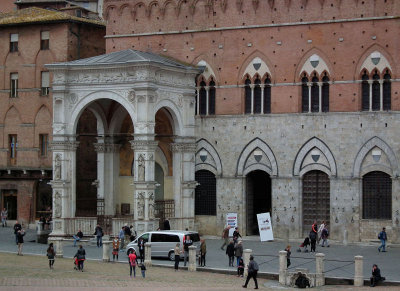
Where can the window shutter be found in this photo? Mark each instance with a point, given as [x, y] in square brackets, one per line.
[45, 35]
[14, 37]
[45, 80]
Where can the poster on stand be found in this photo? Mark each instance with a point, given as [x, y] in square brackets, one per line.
[265, 226]
[231, 220]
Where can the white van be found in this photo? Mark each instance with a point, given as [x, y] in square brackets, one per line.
[163, 242]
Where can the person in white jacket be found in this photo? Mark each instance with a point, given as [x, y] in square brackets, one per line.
[321, 227]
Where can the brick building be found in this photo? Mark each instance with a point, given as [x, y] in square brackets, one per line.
[31, 38]
[296, 113]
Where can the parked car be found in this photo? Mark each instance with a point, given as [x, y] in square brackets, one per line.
[163, 242]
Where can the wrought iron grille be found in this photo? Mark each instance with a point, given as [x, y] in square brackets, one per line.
[206, 193]
[377, 196]
[164, 209]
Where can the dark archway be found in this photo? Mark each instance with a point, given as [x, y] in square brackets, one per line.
[258, 189]
[377, 196]
[316, 199]
[205, 200]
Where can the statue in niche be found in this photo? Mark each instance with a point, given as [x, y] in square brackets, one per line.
[57, 205]
[151, 206]
[57, 167]
[141, 168]
[140, 205]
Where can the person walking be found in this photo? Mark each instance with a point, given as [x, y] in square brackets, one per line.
[121, 237]
[51, 255]
[141, 249]
[4, 214]
[230, 251]
[98, 232]
[177, 252]
[166, 224]
[132, 263]
[127, 234]
[238, 252]
[321, 227]
[20, 241]
[288, 253]
[80, 257]
[203, 251]
[225, 236]
[313, 239]
[77, 237]
[17, 227]
[383, 237]
[186, 244]
[252, 271]
[115, 250]
[324, 236]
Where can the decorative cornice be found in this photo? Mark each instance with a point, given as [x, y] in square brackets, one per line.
[106, 147]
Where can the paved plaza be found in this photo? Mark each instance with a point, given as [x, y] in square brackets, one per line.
[32, 270]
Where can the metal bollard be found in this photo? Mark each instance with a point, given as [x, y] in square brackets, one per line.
[358, 271]
[192, 259]
[106, 250]
[246, 260]
[319, 269]
[147, 254]
[282, 267]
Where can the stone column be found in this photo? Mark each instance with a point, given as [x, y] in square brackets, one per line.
[106, 250]
[246, 260]
[64, 182]
[145, 185]
[207, 98]
[309, 96]
[381, 95]
[58, 246]
[184, 183]
[319, 269]
[282, 267]
[192, 259]
[320, 96]
[370, 94]
[147, 254]
[252, 98]
[358, 271]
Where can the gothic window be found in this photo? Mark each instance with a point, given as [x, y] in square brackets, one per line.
[12, 149]
[13, 42]
[387, 88]
[257, 96]
[314, 95]
[325, 94]
[14, 85]
[203, 99]
[247, 98]
[45, 86]
[205, 102]
[365, 92]
[206, 193]
[377, 196]
[44, 40]
[267, 95]
[211, 99]
[375, 92]
[304, 94]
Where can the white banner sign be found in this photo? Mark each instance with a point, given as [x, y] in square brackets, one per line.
[265, 226]
[231, 220]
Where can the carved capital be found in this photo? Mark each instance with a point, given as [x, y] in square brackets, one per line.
[64, 145]
[144, 145]
[183, 147]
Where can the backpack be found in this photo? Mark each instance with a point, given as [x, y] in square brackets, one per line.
[255, 266]
[312, 235]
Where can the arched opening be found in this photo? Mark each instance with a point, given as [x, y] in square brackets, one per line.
[316, 199]
[43, 198]
[377, 196]
[205, 200]
[258, 198]
[159, 178]
[86, 165]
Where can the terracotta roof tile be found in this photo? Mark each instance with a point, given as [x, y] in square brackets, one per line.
[34, 14]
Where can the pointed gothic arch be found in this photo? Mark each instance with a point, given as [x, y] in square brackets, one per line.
[271, 169]
[329, 168]
[214, 166]
[364, 150]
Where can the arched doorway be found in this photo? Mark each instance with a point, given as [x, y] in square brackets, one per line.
[377, 196]
[258, 198]
[316, 199]
[205, 200]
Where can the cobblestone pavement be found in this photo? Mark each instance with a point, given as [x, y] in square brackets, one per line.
[20, 272]
[266, 254]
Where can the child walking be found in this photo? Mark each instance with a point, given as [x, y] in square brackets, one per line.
[115, 248]
[143, 270]
[50, 255]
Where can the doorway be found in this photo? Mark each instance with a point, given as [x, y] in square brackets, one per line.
[10, 203]
[258, 188]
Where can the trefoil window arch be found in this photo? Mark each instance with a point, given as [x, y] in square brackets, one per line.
[315, 94]
[257, 97]
[206, 94]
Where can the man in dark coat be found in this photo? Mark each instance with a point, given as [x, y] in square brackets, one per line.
[383, 237]
[98, 232]
[376, 276]
[17, 227]
[252, 272]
